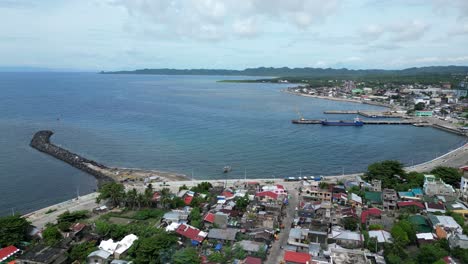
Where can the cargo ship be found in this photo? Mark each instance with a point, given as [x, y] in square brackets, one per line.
[355, 122]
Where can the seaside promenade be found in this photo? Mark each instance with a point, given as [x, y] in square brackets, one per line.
[455, 158]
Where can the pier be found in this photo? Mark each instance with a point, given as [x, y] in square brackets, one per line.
[41, 142]
[370, 114]
[366, 122]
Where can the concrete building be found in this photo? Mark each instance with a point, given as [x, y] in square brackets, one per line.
[376, 186]
[464, 186]
[458, 240]
[389, 198]
[433, 186]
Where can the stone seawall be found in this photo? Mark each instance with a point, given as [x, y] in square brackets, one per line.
[41, 142]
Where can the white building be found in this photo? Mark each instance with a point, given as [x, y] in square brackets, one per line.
[118, 248]
[464, 186]
[434, 186]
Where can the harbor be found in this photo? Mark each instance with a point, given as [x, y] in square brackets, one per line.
[365, 122]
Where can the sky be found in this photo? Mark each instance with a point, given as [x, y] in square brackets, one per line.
[94, 35]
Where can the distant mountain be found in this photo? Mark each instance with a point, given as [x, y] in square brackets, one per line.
[300, 72]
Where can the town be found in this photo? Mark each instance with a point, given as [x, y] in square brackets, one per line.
[441, 103]
[386, 215]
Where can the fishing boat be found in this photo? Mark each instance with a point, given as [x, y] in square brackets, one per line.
[355, 122]
[227, 169]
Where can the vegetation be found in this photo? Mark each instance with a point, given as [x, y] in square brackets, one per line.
[242, 203]
[186, 256]
[13, 230]
[51, 235]
[196, 218]
[148, 250]
[79, 252]
[203, 187]
[350, 223]
[113, 191]
[448, 175]
[392, 175]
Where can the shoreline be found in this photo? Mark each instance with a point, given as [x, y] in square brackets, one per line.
[339, 99]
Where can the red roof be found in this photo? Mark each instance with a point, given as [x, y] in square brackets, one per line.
[188, 199]
[189, 232]
[209, 217]
[252, 260]
[296, 257]
[227, 194]
[464, 168]
[78, 227]
[410, 203]
[7, 252]
[267, 193]
[437, 206]
[253, 183]
[279, 186]
[156, 196]
[370, 211]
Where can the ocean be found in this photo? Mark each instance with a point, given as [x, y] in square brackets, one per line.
[180, 124]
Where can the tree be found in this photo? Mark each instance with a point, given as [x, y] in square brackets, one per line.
[419, 106]
[203, 187]
[195, 218]
[461, 254]
[399, 235]
[239, 252]
[131, 198]
[72, 217]
[242, 203]
[261, 253]
[103, 228]
[51, 235]
[148, 250]
[350, 223]
[186, 256]
[183, 187]
[13, 230]
[176, 202]
[79, 252]
[431, 253]
[216, 257]
[387, 171]
[113, 191]
[448, 175]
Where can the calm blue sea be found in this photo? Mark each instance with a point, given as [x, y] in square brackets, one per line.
[180, 123]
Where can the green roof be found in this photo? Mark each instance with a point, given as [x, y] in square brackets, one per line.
[420, 222]
[375, 197]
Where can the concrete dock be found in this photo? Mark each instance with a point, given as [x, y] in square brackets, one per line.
[369, 114]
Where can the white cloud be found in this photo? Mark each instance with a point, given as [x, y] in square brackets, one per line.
[215, 19]
[401, 31]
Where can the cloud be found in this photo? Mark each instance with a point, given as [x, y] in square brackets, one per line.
[216, 19]
[400, 32]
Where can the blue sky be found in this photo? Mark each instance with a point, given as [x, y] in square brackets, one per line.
[234, 34]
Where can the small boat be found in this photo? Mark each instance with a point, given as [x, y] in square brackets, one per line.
[355, 122]
[227, 169]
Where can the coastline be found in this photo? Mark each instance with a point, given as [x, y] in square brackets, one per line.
[339, 99]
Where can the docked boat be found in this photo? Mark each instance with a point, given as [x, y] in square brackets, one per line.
[227, 169]
[355, 122]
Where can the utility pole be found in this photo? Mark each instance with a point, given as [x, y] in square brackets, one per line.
[245, 175]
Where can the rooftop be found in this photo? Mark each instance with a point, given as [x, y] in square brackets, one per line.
[296, 257]
[223, 234]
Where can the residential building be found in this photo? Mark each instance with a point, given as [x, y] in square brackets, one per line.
[376, 186]
[447, 222]
[389, 197]
[99, 257]
[228, 234]
[7, 252]
[458, 240]
[251, 247]
[346, 238]
[434, 186]
[412, 194]
[464, 186]
[373, 197]
[42, 254]
[291, 257]
[382, 236]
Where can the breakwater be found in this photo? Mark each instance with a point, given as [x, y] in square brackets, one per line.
[41, 142]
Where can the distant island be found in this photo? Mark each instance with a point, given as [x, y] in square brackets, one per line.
[300, 72]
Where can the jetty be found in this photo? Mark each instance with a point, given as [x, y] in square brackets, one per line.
[41, 142]
[369, 114]
[365, 122]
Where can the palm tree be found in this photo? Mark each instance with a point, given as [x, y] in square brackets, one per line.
[131, 198]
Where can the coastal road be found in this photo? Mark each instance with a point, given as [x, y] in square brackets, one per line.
[40, 217]
[276, 253]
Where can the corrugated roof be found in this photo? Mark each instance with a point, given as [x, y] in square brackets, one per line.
[296, 257]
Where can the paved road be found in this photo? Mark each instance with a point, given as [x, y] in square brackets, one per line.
[40, 218]
[276, 253]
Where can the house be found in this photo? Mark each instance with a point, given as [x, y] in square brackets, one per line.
[176, 216]
[355, 200]
[267, 196]
[447, 222]
[464, 184]
[382, 236]
[420, 223]
[251, 247]
[434, 186]
[458, 240]
[291, 257]
[376, 186]
[118, 249]
[346, 238]
[367, 214]
[425, 238]
[228, 234]
[192, 233]
[252, 260]
[209, 218]
[346, 256]
[7, 252]
[389, 197]
[42, 254]
[435, 207]
[340, 198]
[412, 194]
[412, 205]
[297, 237]
[99, 257]
[373, 197]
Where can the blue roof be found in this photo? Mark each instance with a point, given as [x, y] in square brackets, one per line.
[407, 194]
[218, 247]
[417, 191]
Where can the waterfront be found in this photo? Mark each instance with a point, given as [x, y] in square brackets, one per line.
[180, 123]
